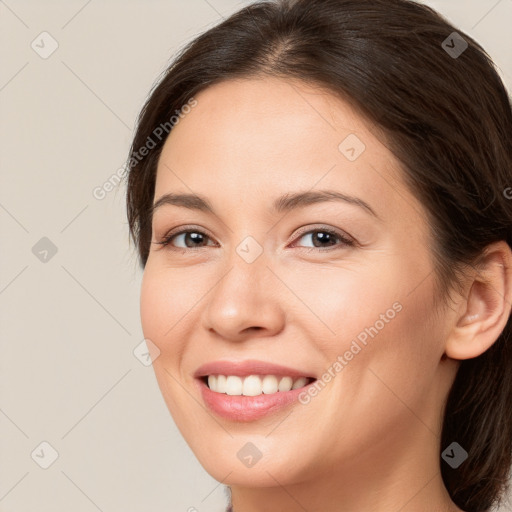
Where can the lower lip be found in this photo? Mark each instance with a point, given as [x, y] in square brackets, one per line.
[248, 408]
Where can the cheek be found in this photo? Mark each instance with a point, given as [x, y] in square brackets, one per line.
[165, 300]
[163, 311]
[153, 303]
[381, 318]
[398, 362]
[342, 302]
[164, 304]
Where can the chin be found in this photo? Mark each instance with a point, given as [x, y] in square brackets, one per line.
[238, 469]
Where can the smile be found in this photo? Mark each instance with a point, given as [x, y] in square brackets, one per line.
[254, 385]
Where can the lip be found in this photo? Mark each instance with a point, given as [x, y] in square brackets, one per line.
[249, 367]
[248, 408]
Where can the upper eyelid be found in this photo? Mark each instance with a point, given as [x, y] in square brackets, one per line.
[185, 229]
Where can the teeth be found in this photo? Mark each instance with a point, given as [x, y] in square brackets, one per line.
[285, 384]
[299, 383]
[269, 385]
[221, 383]
[253, 385]
[234, 385]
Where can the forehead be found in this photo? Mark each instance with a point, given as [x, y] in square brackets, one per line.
[264, 137]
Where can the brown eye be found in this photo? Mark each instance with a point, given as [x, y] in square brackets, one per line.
[191, 239]
[326, 238]
[188, 239]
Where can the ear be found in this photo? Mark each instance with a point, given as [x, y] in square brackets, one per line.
[486, 310]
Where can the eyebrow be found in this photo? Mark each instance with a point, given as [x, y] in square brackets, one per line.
[284, 203]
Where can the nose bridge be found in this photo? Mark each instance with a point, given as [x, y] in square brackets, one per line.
[251, 250]
[247, 274]
[244, 296]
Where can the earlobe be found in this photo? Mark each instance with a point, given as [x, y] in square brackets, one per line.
[487, 307]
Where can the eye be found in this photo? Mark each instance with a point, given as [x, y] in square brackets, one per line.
[194, 237]
[325, 239]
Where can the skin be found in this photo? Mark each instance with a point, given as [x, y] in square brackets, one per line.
[370, 439]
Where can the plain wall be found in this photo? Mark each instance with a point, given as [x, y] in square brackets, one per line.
[70, 320]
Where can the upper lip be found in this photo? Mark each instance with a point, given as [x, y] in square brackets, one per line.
[248, 367]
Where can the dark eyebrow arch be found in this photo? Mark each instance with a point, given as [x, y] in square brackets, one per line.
[282, 204]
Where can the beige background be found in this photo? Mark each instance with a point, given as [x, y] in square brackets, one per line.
[69, 324]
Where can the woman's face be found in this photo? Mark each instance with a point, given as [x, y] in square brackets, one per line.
[267, 278]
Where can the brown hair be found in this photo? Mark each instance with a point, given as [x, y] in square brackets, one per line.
[446, 117]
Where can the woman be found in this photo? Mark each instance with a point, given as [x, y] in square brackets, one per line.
[319, 192]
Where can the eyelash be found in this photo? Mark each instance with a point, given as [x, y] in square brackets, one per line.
[345, 241]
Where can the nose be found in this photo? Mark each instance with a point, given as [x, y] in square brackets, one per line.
[247, 301]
